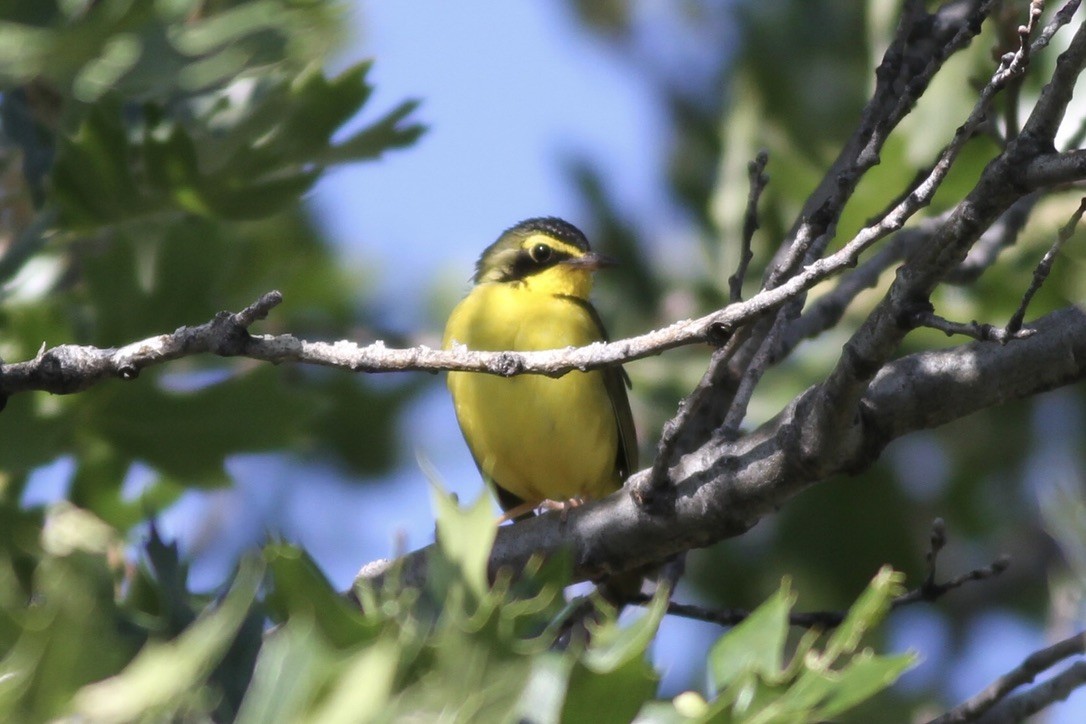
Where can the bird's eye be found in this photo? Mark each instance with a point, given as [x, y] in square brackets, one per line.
[540, 253]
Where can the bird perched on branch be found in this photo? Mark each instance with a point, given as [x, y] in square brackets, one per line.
[537, 438]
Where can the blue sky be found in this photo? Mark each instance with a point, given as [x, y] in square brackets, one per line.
[509, 91]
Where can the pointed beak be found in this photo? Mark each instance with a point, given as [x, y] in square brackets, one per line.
[591, 261]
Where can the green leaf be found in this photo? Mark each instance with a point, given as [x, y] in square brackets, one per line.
[865, 676]
[122, 165]
[72, 603]
[293, 667]
[382, 135]
[34, 429]
[161, 49]
[298, 588]
[92, 180]
[866, 613]
[347, 701]
[613, 678]
[465, 535]
[755, 647]
[612, 696]
[615, 646]
[163, 673]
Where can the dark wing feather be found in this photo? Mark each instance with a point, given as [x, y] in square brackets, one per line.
[616, 381]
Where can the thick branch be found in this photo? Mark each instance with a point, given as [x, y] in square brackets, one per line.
[725, 487]
[1053, 169]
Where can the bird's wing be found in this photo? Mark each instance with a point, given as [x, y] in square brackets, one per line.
[616, 381]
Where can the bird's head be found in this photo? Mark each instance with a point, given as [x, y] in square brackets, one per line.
[547, 254]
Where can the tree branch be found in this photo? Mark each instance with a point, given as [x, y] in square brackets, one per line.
[758, 181]
[724, 487]
[1024, 673]
[878, 338]
[1017, 708]
[928, 592]
[72, 368]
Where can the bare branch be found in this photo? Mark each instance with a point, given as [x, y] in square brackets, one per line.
[1062, 17]
[928, 592]
[758, 181]
[1053, 169]
[878, 338]
[1044, 267]
[977, 330]
[1017, 708]
[1024, 673]
[71, 368]
[921, 44]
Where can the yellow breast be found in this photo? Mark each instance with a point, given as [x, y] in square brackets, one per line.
[536, 437]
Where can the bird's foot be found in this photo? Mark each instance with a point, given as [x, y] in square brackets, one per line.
[516, 512]
[564, 506]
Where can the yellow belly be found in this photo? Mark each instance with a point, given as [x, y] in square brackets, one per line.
[534, 436]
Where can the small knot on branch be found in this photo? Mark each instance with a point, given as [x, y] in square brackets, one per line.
[718, 334]
[655, 495]
[230, 332]
[228, 336]
[63, 370]
[508, 364]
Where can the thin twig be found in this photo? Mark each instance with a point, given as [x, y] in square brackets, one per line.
[758, 181]
[654, 490]
[752, 375]
[1036, 7]
[1062, 17]
[980, 331]
[73, 368]
[1017, 708]
[1024, 673]
[928, 592]
[1044, 267]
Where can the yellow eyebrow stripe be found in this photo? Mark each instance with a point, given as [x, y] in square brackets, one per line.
[559, 246]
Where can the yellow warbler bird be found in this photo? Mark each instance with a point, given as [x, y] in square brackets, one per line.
[536, 438]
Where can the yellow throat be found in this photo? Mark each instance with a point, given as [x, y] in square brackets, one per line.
[533, 437]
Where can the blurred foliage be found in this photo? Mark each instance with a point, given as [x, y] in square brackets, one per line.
[457, 649]
[154, 155]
